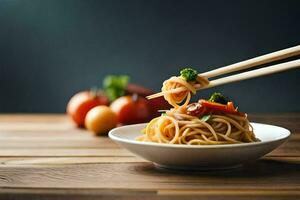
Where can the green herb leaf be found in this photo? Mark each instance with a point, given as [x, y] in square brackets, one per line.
[189, 74]
[114, 86]
[205, 118]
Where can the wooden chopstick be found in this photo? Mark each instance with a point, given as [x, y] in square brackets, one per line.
[267, 58]
[254, 73]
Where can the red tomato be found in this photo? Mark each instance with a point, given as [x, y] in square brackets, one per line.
[82, 102]
[132, 109]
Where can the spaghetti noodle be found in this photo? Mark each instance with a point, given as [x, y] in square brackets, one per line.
[175, 90]
[211, 122]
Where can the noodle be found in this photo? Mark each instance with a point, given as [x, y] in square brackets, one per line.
[220, 129]
[176, 126]
[175, 90]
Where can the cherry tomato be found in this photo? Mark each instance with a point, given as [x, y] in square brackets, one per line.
[82, 102]
[132, 109]
[100, 120]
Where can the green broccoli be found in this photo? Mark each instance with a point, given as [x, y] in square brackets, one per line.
[218, 98]
[189, 74]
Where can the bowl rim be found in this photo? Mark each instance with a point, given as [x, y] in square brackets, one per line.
[112, 136]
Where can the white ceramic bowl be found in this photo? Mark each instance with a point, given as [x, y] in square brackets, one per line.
[200, 157]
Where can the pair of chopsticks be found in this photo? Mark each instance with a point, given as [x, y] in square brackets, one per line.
[264, 59]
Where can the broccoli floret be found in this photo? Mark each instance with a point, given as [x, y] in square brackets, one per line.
[218, 98]
[189, 74]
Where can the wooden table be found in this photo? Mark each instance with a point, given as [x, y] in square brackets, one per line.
[45, 156]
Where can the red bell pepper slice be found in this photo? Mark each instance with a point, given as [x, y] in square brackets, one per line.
[229, 108]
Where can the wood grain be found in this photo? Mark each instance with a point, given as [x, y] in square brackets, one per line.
[68, 160]
[21, 142]
[265, 175]
[46, 156]
[65, 152]
[124, 194]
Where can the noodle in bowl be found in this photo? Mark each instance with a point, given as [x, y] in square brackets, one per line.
[185, 129]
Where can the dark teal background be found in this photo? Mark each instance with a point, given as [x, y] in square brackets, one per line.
[49, 49]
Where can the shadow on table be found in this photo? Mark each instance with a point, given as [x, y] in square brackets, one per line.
[260, 168]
